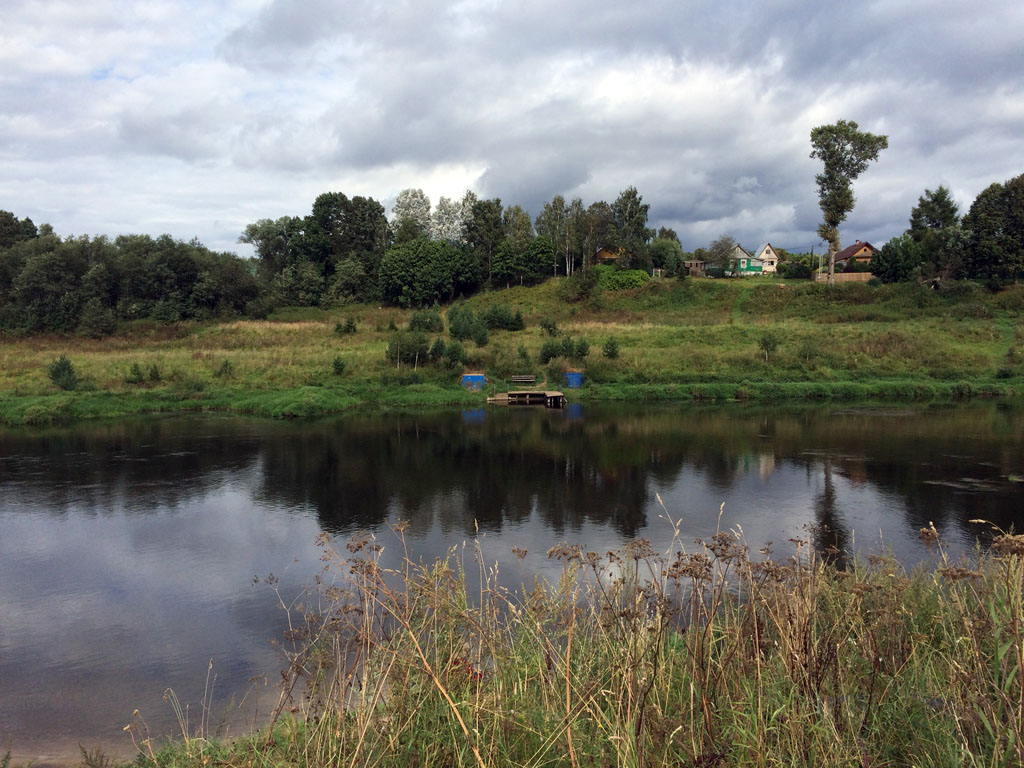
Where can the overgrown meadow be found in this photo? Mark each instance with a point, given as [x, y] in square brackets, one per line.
[693, 339]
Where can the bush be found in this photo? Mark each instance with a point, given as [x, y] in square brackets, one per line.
[226, 370]
[501, 318]
[135, 375]
[62, 373]
[454, 355]
[581, 350]
[549, 350]
[568, 348]
[549, 326]
[409, 347]
[463, 324]
[581, 285]
[611, 348]
[437, 350]
[154, 373]
[338, 366]
[346, 329]
[612, 279]
[795, 270]
[768, 343]
[97, 320]
[428, 320]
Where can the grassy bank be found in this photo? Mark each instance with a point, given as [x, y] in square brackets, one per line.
[756, 339]
[700, 656]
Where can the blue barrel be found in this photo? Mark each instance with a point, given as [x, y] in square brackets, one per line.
[573, 379]
[474, 381]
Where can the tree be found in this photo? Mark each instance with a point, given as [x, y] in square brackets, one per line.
[600, 230]
[898, 261]
[575, 235]
[412, 215]
[845, 153]
[422, 271]
[278, 243]
[668, 233]
[448, 222]
[552, 224]
[631, 224]
[995, 221]
[934, 210]
[666, 254]
[518, 227]
[719, 253]
[485, 232]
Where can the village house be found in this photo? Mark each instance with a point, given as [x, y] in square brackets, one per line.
[859, 253]
[769, 258]
[743, 264]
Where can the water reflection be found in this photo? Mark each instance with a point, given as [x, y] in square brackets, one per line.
[127, 551]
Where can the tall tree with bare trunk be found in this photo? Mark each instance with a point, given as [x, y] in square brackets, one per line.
[845, 152]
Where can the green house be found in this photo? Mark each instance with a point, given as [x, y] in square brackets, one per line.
[744, 264]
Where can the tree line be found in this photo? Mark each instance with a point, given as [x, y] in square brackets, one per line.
[985, 244]
[83, 284]
[347, 250]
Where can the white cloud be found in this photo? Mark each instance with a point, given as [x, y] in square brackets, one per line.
[199, 117]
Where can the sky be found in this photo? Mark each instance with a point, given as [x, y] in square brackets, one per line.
[197, 117]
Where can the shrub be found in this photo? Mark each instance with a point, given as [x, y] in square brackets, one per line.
[96, 320]
[226, 370]
[62, 373]
[135, 375]
[463, 324]
[581, 285]
[962, 390]
[437, 350]
[154, 373]
[454, 355]
[549, 326]
[409, 347]
[611, 348]
[348, 328]
[581, 350]
[768, 343]
[549, 350]
[502, 318]
[612, 279]
[428, 320]
[338, 366]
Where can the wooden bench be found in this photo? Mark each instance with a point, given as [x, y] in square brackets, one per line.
[522, 379]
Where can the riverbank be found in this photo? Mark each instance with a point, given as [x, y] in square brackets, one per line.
[718, 340]
[701, 655]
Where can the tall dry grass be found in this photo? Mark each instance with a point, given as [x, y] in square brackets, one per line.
[699, 656]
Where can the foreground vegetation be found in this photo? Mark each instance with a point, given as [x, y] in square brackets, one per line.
[695, 339]
[700, 656]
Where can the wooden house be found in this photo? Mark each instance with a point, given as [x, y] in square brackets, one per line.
[859, 252]
[769, 258]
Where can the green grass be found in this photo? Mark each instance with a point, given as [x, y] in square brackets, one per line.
[700, 655]
[692, 339]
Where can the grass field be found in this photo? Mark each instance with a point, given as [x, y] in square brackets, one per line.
[693, 339]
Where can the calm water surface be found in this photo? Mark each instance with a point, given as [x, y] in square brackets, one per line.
[128, 551]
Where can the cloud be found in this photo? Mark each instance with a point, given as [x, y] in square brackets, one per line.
[262, 106]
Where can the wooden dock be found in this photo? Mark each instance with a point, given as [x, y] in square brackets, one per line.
[529, 397]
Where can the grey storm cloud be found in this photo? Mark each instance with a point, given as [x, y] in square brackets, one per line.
[705, 107]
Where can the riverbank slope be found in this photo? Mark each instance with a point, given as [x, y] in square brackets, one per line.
[696, 339]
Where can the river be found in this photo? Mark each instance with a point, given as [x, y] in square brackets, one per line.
[135, 554]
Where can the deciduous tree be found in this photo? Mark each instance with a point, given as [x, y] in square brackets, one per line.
[845, 153]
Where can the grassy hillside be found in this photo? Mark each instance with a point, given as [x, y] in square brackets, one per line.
[755, 338]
